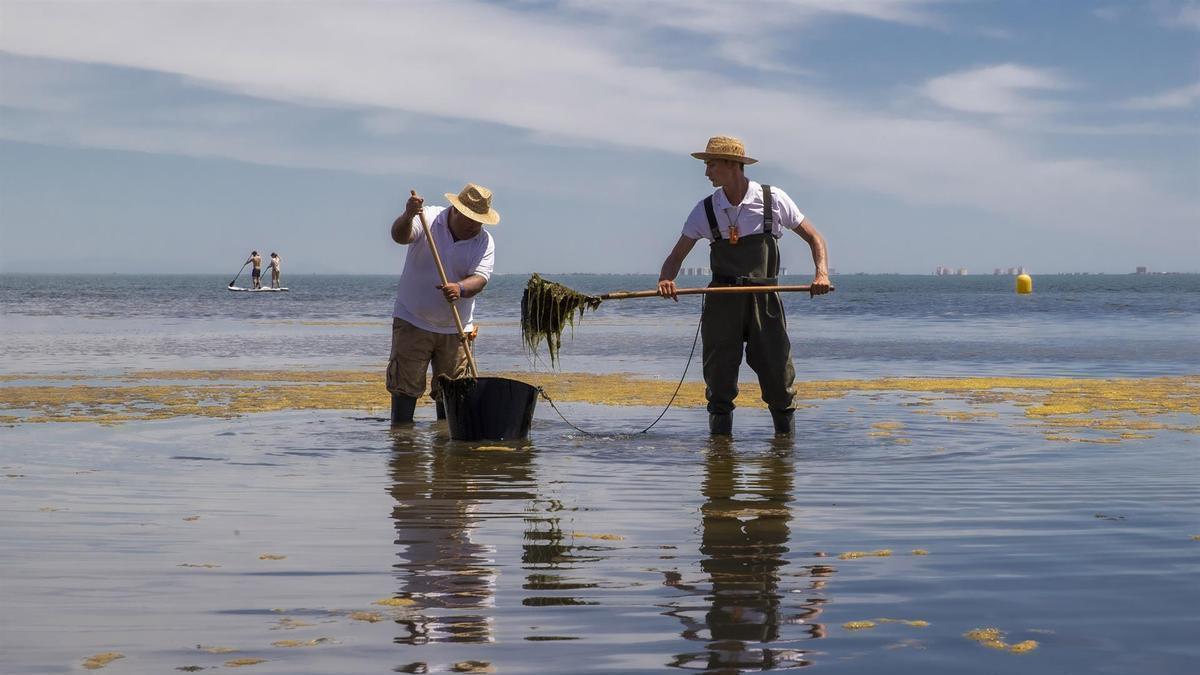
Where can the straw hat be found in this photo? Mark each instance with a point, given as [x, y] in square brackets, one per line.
[475, 202]
[725, 147]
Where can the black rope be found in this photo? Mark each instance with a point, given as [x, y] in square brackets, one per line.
[679, 386]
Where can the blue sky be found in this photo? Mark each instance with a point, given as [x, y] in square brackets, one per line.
[176, 136]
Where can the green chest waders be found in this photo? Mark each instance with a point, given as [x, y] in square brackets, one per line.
[755, 320]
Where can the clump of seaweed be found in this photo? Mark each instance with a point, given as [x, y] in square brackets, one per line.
[546, 309]
[457, 389]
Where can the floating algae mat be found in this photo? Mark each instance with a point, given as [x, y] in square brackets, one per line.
[546, 310]
[1064, 409]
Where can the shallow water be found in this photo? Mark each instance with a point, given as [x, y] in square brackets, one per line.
[580, 554]
[570, 553]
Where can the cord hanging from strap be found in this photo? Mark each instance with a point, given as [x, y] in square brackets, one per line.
[679, 386]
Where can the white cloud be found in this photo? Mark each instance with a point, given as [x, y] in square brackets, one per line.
[1186, 16]
[1173, 99]
[561, 80]
[995, 90]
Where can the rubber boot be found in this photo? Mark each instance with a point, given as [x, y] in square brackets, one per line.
[402, 409]
[720, 424]
[440, 409]
[785, 422]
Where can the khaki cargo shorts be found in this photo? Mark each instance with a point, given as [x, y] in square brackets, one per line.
[413, 350]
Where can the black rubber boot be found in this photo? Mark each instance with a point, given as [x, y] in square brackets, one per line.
[785, 422]
[720, 424]
[440, 409]
[402, 409]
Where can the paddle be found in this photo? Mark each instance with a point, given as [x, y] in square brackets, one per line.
[235, 278]
[437, 259]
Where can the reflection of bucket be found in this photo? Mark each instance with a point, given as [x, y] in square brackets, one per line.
[493, 408]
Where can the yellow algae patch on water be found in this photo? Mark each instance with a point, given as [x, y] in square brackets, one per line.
[962, 415]
[915, 623]
[852, 555]
[100, 660]
[605, 537]
[1117, 406]
[473, 667]
[208, 566]
[216, 650]
[993, 638]
[369, 617]
[858, 625]
[395, 602]
[1196, 537]
[191, 519]
[238, 663]
[888, 426]
[300, 643]
[271, 556]
[48, 509]
[981, 634]
[920, 551]
[494, 448]
[288, 623]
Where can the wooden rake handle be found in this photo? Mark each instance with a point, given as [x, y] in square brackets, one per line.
[623, 295]
[437, 259]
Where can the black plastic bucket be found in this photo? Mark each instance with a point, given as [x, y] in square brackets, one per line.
[492, 408]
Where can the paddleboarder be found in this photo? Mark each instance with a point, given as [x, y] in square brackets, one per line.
[275, 269]
[424, 332]
[743, 221]
[256, 270]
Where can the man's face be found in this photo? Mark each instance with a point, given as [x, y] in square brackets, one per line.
[720, 172]
[464, 227]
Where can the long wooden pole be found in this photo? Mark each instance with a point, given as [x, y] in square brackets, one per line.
[437, 259]
[622, 295]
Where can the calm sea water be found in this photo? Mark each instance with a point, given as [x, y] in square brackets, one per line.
[871, 326]
[659, 552]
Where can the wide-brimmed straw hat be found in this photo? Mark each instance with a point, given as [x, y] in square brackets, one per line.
[475, 202]
[725, 147]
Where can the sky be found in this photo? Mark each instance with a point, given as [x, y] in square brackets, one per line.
[175, 136]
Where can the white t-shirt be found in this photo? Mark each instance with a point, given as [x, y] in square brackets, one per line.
[418, 301]
[748, 215]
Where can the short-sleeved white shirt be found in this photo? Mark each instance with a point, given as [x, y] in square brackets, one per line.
[418, 301]
[748, 215]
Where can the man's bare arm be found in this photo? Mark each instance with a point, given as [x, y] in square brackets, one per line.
[670, 267]
[402, 227]
[810, 234]
[470, 286]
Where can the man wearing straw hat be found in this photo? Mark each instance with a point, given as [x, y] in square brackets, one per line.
[743, 221]
[424, 331]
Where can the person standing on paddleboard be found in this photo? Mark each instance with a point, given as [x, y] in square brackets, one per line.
[743, 222]
[424, 332]
[256, 270]
[275, 269]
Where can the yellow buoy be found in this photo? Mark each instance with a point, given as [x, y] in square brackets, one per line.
[1024, 284]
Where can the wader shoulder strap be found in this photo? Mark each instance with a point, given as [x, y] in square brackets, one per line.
[768, 211]
[712, 218]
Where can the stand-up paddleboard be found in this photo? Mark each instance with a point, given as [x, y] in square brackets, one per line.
[264, 289]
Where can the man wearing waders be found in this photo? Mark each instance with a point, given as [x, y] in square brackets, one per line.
[743, 221]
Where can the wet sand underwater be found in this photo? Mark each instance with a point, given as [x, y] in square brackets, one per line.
[270, 520]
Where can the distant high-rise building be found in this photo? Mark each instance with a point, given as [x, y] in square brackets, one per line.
[962, 271]
[996, 272]
[1142, 269]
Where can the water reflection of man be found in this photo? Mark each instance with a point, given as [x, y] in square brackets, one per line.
[450, 576]
[743, 544]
